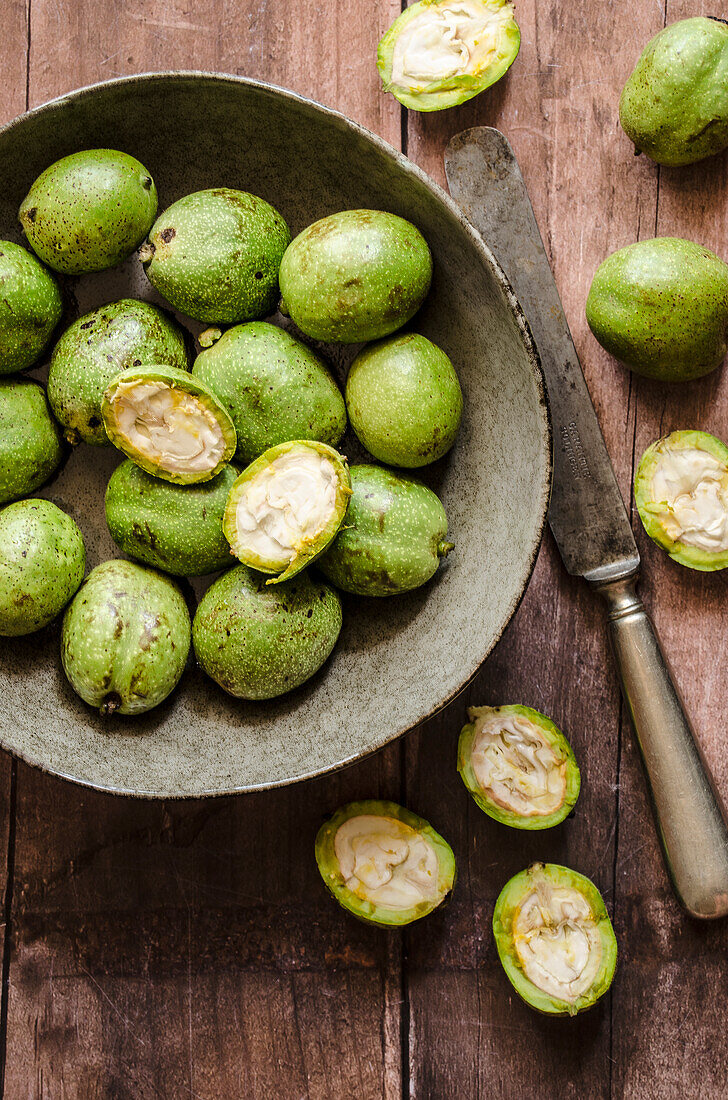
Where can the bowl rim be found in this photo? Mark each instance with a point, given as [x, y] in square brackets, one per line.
[546, 431]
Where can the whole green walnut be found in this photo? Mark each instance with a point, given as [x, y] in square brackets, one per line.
[125, 638]
[274, 387]
[31, 447]
[176, 528]
[42, 560]
[356, 275]
[393, 537]
[30, 308]
[661, 307]
[215, 255]
[674, 107]
[258, 641]
[404, 400]
[95, 349]
[89, 210]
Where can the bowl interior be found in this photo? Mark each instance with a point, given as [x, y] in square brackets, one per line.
[398, 660]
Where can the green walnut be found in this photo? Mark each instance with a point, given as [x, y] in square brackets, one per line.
[356, 275]
[438, 53]
[681, 493]
[215, 255]
[393, 539]
[661, 307]
[42, 561]
[175, 528]
[89, 211]
[31, 447]
[404, 400]
[286, 507]
[518, 766]
[168, 423]
[257, 641]
[30, 308]
[674, 107]
[95, 349]
[555, 939]
[383, 863]
[125, 638]
[273, 386]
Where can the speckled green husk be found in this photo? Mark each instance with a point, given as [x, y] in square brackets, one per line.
[215, 255]
[96, 348]
[436, 95]
[393, 539]
[356, 275]
[89, 211]
[176, 528]
[273, 386]
[690, 556]
[674, 107]
[562, 749]
[42, 560]
[506, 908]
[125, 638]
[661, 307]
[366, 911]
[258, 641]
[179, 379]
[404, 400]
[31, 447]
[30, 307]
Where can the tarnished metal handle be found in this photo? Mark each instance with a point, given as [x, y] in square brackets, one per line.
[690, 820]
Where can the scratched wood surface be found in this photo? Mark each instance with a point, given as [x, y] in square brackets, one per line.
[172, 950]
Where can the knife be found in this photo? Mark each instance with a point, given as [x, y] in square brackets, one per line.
[593, 533]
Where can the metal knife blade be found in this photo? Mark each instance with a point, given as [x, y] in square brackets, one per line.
[586, 514]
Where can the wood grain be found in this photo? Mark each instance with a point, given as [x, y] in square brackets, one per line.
[173, 950]
[13, 65]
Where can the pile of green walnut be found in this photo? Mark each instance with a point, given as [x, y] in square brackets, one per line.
[231, 460]
[389, 867]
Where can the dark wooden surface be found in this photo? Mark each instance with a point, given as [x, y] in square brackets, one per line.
[189, 950]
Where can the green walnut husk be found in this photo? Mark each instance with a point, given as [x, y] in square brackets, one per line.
[175, 528]
[674, 107]
[259, 642]
[439, 54]
[387, 837]
[404, 400]
[42, 561]
[681, 493]
[169, 423]
[30, 308]
[215, 255]
[286, 507]
[95, 349]
[31, 447]
[393, 539]
[89, 211]
[354, 276]
[661, 307]
[518, 766]
[125, 638]
[555, 939]
[274, 387]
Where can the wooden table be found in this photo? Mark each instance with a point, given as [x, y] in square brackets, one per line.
[189, 950]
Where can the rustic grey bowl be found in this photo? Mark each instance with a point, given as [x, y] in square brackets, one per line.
[398, 660]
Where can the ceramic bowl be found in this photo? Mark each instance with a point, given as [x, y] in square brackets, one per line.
[399, 659]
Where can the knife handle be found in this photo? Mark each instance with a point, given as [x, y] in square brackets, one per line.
[690, 823]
